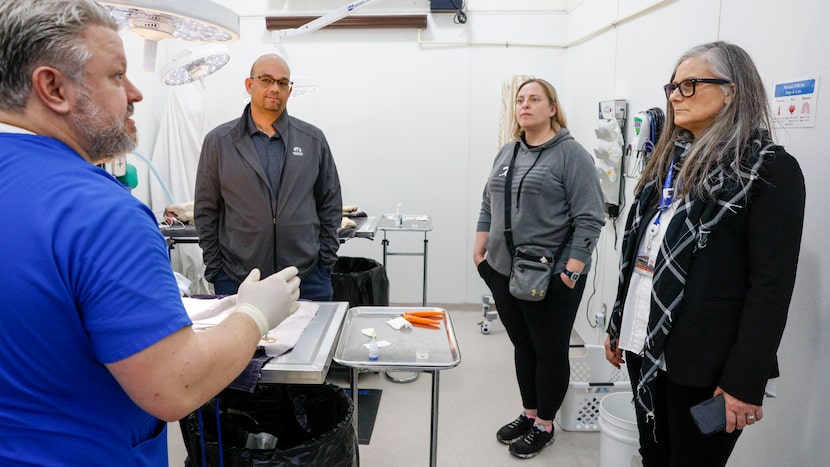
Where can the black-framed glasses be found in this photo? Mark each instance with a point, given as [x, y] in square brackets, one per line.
[268, 81]
[688, 87]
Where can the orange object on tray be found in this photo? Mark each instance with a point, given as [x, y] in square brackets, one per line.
[427, 314]
[417, 317]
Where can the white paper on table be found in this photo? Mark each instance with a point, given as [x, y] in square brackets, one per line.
[381, 344]
[284, 337]
[206, 313]
[398, 323]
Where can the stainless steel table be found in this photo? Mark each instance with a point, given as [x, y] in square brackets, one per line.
[365, 228]
[415, 349]
[410, 223]
[309, 361]
[179, 233]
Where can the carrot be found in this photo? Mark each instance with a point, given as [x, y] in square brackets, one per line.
[429, 317]
[426, 314]
[420, 320]
[431, 327]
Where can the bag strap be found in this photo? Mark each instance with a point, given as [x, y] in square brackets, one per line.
[508, 185]
[508, 200]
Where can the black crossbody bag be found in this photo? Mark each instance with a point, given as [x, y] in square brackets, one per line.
[532, 267]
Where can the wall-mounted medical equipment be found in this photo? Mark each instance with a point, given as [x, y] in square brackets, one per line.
[156, 20]
[121, 170]
[609, 152]
[647, 128]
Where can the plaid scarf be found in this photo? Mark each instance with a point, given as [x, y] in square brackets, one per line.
[695, 219]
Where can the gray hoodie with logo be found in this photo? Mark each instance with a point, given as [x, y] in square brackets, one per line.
[559, 191]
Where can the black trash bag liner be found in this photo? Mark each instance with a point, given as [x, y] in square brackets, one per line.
[360, 281]
[312, 424]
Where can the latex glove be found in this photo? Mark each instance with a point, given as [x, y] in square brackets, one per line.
[271, 300]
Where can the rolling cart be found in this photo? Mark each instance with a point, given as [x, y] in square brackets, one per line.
[405, 223]
[490, 314]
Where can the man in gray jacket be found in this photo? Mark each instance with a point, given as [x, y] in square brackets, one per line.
[267, 191]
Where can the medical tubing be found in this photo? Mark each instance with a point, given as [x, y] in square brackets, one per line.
[219, 435]
[256, 315]
[201, 435]
[158, 177]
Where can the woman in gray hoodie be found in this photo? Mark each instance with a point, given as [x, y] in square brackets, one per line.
[556, 203]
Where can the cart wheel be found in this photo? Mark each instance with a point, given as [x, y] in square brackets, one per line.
[485, 327]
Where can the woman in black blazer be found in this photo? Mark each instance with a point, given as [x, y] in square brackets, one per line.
[708, 261]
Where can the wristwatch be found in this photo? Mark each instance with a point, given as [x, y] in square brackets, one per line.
[574, 276]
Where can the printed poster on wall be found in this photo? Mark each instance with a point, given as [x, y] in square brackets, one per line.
[795, 102]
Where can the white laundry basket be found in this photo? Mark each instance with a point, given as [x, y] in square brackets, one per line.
[592, 378]
[619, 439]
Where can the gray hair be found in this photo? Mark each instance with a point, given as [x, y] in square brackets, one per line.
[44, 32]
[726, 139]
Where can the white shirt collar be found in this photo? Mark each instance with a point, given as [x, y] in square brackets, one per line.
[6, 128]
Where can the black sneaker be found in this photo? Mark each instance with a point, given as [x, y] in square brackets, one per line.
[514, 430]
[532, 443]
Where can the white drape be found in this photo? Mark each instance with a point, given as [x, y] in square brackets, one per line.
[507, 114]
[176, 158]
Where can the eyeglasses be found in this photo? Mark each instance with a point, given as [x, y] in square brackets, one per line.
[687, 87]
[268, 81]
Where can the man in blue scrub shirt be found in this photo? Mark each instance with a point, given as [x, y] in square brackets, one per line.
[97, 349]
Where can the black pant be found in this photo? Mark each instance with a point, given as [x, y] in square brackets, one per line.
[540, 333]
[671, 438]
[224, 285]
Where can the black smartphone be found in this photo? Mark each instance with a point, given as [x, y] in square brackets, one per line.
[710, 415]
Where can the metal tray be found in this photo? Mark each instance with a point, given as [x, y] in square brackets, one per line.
[415, 223]
[308, 362]
[406, 345]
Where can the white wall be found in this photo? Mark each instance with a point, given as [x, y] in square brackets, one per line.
[408, 122]
[787, 42]
[416, 123]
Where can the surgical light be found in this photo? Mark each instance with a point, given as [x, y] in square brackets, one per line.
[195, 65]
[304, 86]
[323, 21]
[155, 20]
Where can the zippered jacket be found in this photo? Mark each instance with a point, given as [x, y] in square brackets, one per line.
[243, 225]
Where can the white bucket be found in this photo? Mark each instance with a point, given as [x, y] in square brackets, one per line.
[619, 441]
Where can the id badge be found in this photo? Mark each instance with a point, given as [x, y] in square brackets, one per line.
[644, 266]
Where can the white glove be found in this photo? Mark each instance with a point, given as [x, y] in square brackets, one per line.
[271, 300]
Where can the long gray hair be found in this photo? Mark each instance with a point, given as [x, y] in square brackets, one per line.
[726, 139]
[43, 32]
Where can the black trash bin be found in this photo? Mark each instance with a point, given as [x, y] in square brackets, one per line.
[360, 281]
[310, 424]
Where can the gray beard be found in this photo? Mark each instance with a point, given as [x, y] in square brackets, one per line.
[105, 132]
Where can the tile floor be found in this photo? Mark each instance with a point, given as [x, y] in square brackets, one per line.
[475, 399]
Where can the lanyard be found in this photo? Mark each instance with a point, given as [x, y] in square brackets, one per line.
[667, 195]
[645, 262]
